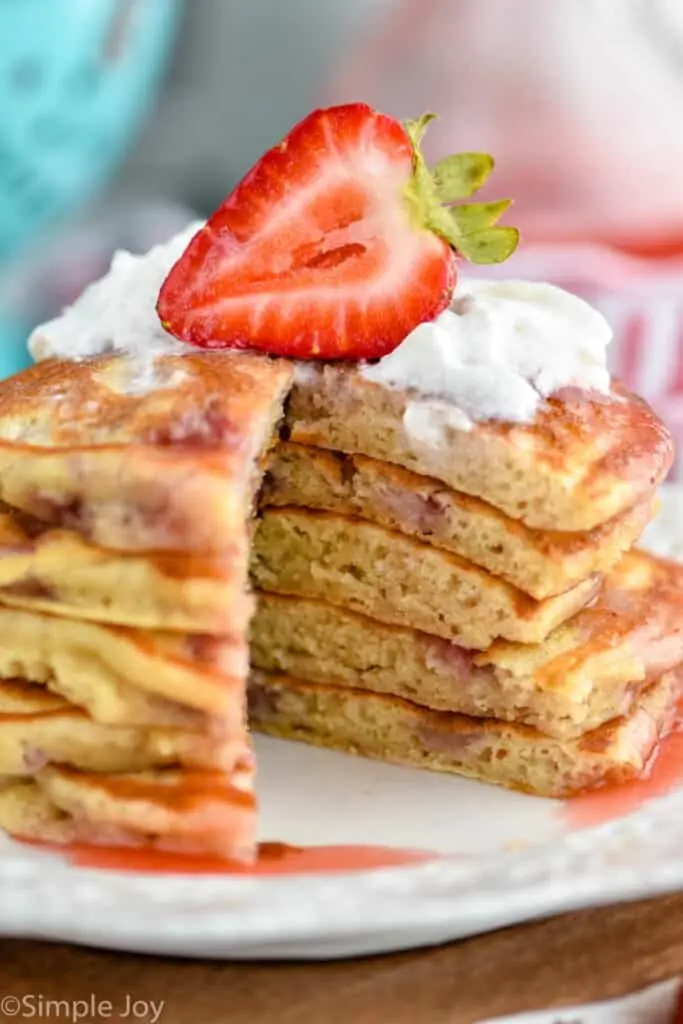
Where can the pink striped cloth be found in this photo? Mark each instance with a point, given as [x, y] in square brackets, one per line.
[643, 301]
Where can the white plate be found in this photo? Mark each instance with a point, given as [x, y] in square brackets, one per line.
[509, 858]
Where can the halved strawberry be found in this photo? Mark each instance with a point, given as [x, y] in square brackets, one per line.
[335, 245]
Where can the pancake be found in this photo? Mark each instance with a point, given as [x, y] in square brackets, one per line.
[134, 461]
[163, 455]
[540, 563]
[38, 728]
[516, 756]
[588, 671]
[189, 811]
[125, 676]
[128, 488]
[584, 460]
[397, 580]
[55, 570]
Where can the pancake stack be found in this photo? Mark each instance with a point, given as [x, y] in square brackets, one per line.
[469, 603]
[124, 605]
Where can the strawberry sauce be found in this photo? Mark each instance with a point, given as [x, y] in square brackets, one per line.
[664, 774]
[272, 859]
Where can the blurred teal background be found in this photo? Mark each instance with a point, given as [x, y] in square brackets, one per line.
[76, 78]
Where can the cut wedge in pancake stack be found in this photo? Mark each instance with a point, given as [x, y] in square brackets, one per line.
[412, 508]
[505, 630]
[124, 605]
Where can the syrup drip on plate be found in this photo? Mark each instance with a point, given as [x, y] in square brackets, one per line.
[272, 859]
[663, 774]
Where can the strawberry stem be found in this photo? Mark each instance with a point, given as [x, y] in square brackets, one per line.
[470, 229]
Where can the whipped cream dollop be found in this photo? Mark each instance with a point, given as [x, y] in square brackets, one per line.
[497, 353]
[118, 312]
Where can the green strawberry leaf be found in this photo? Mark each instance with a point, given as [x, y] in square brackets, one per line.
[493, 245]
[459, 176]
[471, 217]
[469, 228]
[438, 219]
[417, 129]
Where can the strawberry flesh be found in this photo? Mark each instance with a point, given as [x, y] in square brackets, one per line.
[316, 253]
